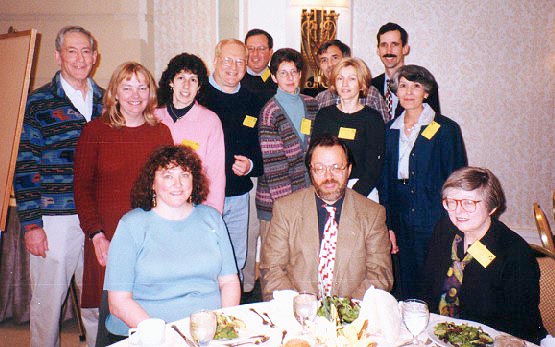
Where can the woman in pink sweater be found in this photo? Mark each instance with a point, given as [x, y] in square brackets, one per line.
[180, 98]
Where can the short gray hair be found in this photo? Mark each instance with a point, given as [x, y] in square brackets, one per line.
[414, 73]
[73, 29]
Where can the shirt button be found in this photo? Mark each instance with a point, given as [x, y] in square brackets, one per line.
[412, 209]
[412, 191]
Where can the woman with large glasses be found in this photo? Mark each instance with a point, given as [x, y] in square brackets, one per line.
[477, 268]
[422, 149]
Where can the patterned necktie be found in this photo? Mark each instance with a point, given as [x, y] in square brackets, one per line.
[389, 99]
[327, 254]
[449, 304]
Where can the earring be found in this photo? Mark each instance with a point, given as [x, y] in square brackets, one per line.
[153, 200]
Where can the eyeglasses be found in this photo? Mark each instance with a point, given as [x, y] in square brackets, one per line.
[335, 169]
[228, 61]
[259, 49]
[466, 204]
[285, 74]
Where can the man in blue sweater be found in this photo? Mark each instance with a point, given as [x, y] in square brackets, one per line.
[55, 115]
[238, 110]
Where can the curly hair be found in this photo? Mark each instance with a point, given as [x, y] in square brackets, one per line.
[111, 114]
[183, 62]
[164, 158]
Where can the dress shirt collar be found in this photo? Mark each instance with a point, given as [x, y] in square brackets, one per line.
[215, 84]
[252, 73]
[84, 106]
[426, 117]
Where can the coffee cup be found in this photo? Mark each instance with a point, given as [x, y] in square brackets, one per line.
[149, 332]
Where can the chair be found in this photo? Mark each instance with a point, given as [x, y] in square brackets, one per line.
[547, 292]
[544, 230]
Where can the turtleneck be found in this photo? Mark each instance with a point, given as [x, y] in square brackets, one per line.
[293, 106]
[177, 113]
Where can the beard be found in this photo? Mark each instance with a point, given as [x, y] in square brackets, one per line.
[330, 195]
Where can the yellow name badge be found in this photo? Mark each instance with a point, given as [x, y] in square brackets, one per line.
[249, 121]
[192, 144]
[481, 253]
[347, 133]
[431, 130]
[305, 126]
[265, 74]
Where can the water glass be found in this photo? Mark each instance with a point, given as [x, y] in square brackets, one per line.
[305, 306]
[415, 316]
[203, 326]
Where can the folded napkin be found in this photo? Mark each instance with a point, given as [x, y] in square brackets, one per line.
[548, 341]
[382, 312]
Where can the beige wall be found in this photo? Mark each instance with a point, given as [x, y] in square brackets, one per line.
[495, 65]
[147, 31]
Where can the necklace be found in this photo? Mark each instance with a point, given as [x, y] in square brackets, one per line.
[409, 129]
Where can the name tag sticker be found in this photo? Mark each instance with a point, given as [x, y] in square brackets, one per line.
[305, 126]
[431, 130]
[265, 74]
[192, 144]
[481, 253]
[249, 121]
[347, 133]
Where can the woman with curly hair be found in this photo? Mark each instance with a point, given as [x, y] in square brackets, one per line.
[110, 154]
[181, 98]
[170, 256]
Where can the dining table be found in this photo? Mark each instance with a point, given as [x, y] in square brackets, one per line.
[277, 324]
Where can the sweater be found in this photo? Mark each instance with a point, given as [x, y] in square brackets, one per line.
[240, 134]
[201, 129]
[283, 152]
[264, 90]
[43, 180]
[107, 163]
[367, 146]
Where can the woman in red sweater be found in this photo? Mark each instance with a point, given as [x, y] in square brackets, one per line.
[110, 153]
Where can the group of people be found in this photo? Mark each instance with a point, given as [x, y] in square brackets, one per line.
[143, 192]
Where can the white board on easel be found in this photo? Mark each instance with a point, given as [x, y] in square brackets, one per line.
[16, 61]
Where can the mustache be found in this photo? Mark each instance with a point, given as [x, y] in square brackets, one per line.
[331, 180]
[389, 56]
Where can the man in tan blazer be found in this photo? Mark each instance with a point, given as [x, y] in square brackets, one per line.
[292, 252]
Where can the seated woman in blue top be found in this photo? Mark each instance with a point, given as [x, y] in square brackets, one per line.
[477, 268]
[170, 256]
[422, 148]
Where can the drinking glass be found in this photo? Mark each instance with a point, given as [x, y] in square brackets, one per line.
[305, 306]
[415, 316]
[203, 327]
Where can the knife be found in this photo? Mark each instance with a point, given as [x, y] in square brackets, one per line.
[187, 340]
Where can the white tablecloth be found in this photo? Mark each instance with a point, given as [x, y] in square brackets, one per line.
[283, 318]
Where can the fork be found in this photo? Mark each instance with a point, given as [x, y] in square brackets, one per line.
[264, 321]
[272, 325]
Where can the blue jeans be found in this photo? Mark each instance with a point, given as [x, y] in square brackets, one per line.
[236, 219]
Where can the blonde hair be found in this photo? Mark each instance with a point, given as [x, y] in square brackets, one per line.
[111, 114]
[222, 43]
[364, 77]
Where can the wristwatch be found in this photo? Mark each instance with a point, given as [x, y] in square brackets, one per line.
[94, 233]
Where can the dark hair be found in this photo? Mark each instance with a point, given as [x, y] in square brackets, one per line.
[168, 157]
[326, 140]
[392, 27]
[469, 178]
[254, 32]
[414, 73]
[286, 55]
[345, 50]
[183, 62]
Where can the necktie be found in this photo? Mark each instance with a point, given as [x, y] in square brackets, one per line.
[327, 254]
[389, 99]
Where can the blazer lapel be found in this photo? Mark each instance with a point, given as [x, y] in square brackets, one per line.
[310, 238]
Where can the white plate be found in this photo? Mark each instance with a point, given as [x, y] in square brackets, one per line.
[430, 330]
